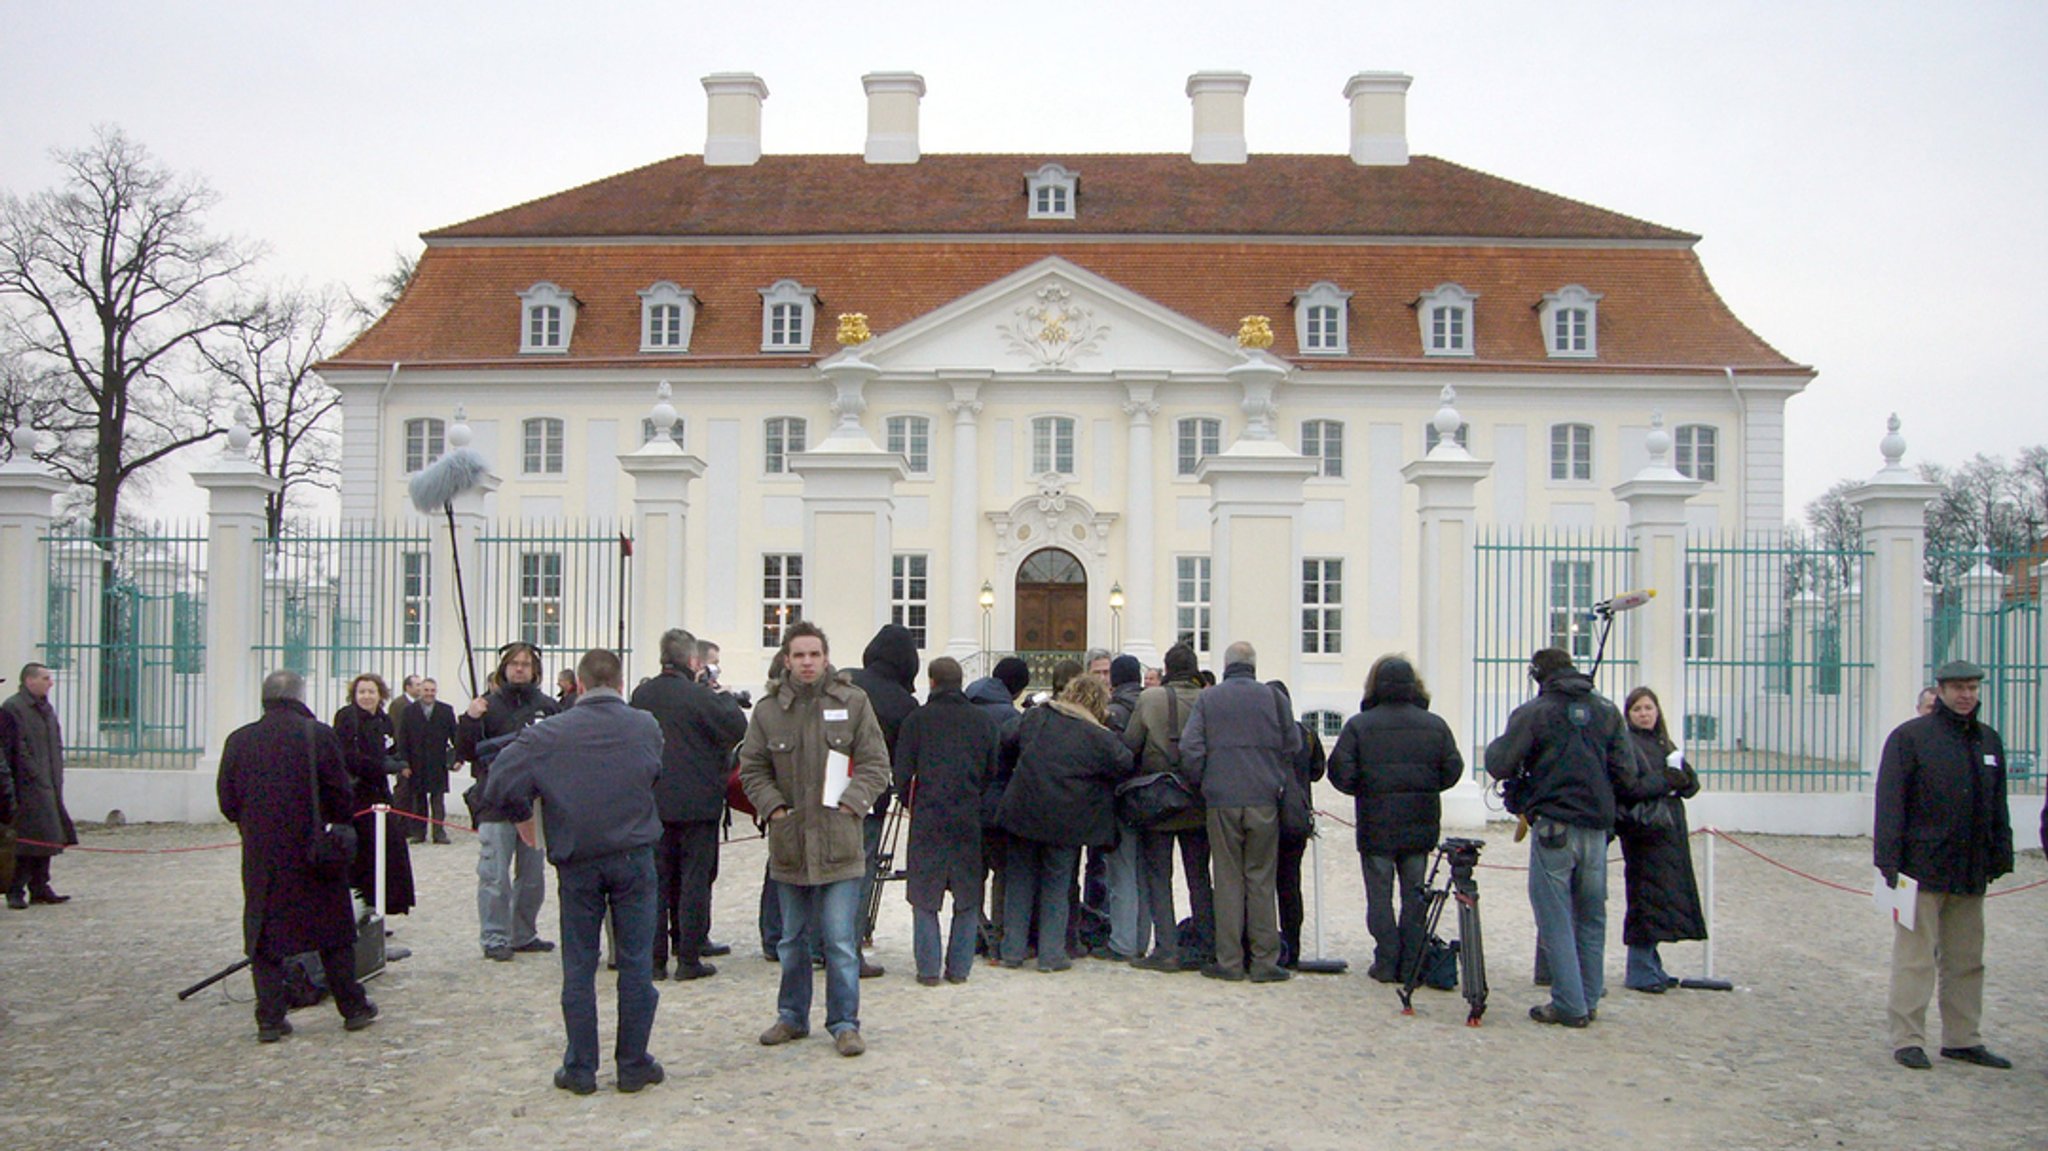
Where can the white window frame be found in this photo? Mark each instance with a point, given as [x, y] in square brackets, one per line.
[543, 331]
[1322, 605]
[1327, 722]
[1193, 602]
[782, 594]
[1050, 193]
[1460, 337]
[1322, 320]
[675, 431]
[658, 337]
[910, 593]
[426, 438]
[1570, 318]
[1048, 452]
[1702, 619]
[910, 436]
[776, 334]
[1567, 455]
[1195, 437]
[416, 598]
[1431, 437]
[540, 598]
[1323, 442]
[545, 458]
[1568, 599]
[1696, 452]
[781, 438]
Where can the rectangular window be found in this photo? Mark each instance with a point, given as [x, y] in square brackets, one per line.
[665, 326]
[1447, 329]
[1191, 601]
[1570, 330]
[909, 598]
[911, 438]
[1697, 449]
[1322, 607]
[425, 439]
[1322, 334]
[543, 448]
[1323, 441]
[1431, 437]
[544, 326]
[1052, 445]
[783, 437]
[1571, 600]
[1701, 621]
[1571, 452]
[782, 595]
[415, 598]
[540, 598]
[1198, 437]
[786, 325]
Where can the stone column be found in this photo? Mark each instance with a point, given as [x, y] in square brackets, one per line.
[27, 493]
[661, 473]
[1656, 499]
[849, 513]
[963, 554]
[1893, 504]
[236, 491]
[1446, 483]
[1255, 491]
[1141, 541]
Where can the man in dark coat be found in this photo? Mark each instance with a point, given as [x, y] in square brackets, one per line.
[425, 739]
[268, 774]
[405, 795]
[1154, 734]
[1942, 820]
[509, 882]
[700, 727]
[32, 752]
[996, 695]
[944, 759]
[888, 675]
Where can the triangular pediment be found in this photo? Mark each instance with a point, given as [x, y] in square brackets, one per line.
[1053, 318]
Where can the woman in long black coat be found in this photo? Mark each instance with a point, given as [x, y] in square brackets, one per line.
[1656, 852]
[945, 760]
[367, 752]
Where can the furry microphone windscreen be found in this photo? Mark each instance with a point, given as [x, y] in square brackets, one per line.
[437, 484]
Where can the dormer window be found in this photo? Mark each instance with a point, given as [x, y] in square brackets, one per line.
[548, 317]
[1050, 193]
[1445, 314]
[667, 316]
[1320, 319]
[787, 309]
[1570, 319]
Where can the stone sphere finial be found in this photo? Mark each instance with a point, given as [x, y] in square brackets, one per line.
[24, 439]
[1658, 441]
[458, 432]
[238, 432]
[1893, 445]
[663, 415]
[1447, 420]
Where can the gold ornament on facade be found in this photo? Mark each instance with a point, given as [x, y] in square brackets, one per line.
[853, 328]
[1255, 332]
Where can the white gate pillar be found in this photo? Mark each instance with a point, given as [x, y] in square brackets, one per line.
[1893, 504]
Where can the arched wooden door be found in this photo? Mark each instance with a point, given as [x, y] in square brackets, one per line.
[1052, 602]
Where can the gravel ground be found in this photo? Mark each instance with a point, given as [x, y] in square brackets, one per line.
[101, 1054]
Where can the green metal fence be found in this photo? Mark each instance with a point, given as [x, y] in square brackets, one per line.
[1774, 677]
[1986, 608]
[126, 639]
[561, 585]
[1535, 588]
[339, 600]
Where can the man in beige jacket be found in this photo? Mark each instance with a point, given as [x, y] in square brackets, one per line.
[815, 736]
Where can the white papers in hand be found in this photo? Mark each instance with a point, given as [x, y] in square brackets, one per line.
[838, 773]
[1898, 902]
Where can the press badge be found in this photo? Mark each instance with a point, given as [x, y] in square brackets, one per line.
[1989, 760]
[832, 713]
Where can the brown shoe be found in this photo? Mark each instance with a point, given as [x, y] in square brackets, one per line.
[782, 1033]
[849, 1042]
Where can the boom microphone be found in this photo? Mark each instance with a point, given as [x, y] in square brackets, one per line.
[435, 486]
[1626, 601]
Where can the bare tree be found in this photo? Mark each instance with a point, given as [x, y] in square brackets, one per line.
[390, 286]
[1836, 530]
[109, 282]
[267, 368]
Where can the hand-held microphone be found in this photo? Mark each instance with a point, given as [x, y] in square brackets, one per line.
[1626, 601]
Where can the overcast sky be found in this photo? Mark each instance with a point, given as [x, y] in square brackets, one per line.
[1869, 178]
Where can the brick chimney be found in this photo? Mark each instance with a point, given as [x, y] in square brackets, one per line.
[1219, 116]
[892, 116]
[1379, 117]
[732, 112]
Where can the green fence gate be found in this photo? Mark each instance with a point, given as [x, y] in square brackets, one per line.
[559, 585]
[340, 600]
[1987, 609]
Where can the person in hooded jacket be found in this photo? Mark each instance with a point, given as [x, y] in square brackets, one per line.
[511, 877]
[1309, 764]
[888, 674]
[1058, 773]
[996, 695]
[944, 760]
[1396, 758]
[1154, 735]
[1656, 848]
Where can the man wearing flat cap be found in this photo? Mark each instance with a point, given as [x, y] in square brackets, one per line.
[1942, 820]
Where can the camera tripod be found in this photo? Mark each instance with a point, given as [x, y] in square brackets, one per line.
[1463, 856]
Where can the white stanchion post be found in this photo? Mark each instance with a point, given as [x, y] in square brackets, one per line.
[1711, 835]
[378, 812]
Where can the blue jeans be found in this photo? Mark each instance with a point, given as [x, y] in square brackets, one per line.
[1645, 967]
[510, 886]
[1039, 874]
[835, 908]
[924, 941]
[1568, 895]
[624, 885]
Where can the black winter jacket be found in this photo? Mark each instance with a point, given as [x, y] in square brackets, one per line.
[889, 675]
[1941, 809]
[700, 727]
[507, 708]
[1569, 741]
[1240, 740]
[1058, 772]
[944, 763]
[1396, 757]
[1663, 895]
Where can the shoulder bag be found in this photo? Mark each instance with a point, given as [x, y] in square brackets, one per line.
[1297, 813]
[1151, 801]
